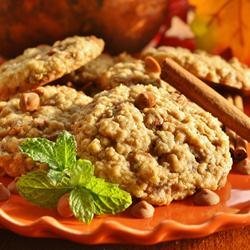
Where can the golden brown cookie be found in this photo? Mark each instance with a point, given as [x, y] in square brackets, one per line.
[43, 64]
[92, 71]
[159, 150]
[211, 68]
[128, 72]
[44, 112]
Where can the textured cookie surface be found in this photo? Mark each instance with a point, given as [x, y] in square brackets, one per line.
[43, 64]
[92, 71]
[128, 72]
[208, 67]
[56, 112]
[160, 153]
[108, 72]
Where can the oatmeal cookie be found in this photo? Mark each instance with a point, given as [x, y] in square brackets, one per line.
[153, 142]
[91, 72]
[94, 72]
[211, 68]
[43, 64]
[128, 72]
[43, 112]
[106, 72]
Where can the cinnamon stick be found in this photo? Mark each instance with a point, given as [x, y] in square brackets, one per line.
[238, 102]
[231, 134]
[240, 152]
[232, 141]
[206, 97]
[237, 145]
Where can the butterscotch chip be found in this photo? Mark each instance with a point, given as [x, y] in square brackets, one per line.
[206, 197]
[145, 100]
[56, 112]
[142, 210]
[152, 65]
[63, 207]
[43, 64]
[29, 102]
[158, 154]
[211, 68]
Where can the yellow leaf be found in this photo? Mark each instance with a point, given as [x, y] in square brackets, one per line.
[222, 24]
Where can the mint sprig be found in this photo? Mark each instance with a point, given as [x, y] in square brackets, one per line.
[82, 203]
[58, 155]
[38, 188]
[89, 195]
[40, 149]
[82, 173]
[65, 151]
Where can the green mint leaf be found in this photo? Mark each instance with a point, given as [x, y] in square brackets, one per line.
[82, 172]
[37, 188]
[108, 198]
[40, 149]
[81, 204]
[59, 155]
[65, 150]
[55, 176]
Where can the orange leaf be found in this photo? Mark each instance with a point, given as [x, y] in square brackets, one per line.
[223, 24]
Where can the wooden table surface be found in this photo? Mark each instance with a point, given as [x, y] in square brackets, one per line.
[235, 239]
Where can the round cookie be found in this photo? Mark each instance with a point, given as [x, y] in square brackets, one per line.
[133, 71]
[107, 72]
[54, 110]
[211, 68]
[90, 72]
[43, 64]
[159, 152]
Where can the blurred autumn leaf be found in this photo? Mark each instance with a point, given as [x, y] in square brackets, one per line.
[173, 31]
[223, 25]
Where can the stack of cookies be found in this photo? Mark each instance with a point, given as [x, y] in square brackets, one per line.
[138, 131]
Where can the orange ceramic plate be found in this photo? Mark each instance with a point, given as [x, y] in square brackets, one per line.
[177, 221]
